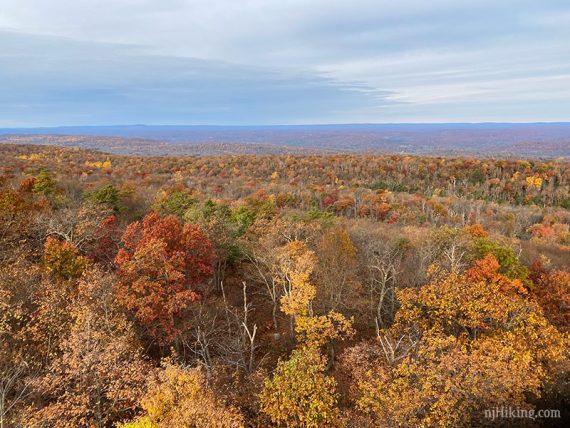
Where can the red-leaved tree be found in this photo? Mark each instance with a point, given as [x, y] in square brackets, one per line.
[160, 264]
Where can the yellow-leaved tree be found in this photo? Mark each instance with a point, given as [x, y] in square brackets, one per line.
[180, 397]
[300, 393]
[298, 263]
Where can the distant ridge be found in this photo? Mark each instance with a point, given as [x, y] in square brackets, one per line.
[530, 140]
[116, 130]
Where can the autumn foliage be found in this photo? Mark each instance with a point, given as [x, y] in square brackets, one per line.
[63, 260]
[552, 290]
[181, 397]
[340, 290]
[300, 394]
[100, 371]
[160, 264]
[459, 344]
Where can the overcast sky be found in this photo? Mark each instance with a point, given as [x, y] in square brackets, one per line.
[89, 62]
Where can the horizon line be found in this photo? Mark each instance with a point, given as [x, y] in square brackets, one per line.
[142, 125]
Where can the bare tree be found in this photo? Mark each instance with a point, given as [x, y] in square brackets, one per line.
[13, 389]
[250, 331]
[202, 339]
[455, 255]
[399, 347]
[231, 337]
[77, 224]
[381, 257]
[383, 267]
[265, 270]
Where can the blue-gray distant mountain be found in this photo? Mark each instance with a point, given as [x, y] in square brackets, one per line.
[532, 140]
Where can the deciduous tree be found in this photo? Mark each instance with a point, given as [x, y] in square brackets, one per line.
[160, 265]
[100, 372]
[300, 394]
[181, 397]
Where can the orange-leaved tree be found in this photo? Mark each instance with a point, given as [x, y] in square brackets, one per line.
[63, 266]
[460, 344]
[552, 290]
[99, 371]
[160, 265]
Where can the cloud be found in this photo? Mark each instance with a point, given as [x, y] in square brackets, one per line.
[260, 61]
[49, 80]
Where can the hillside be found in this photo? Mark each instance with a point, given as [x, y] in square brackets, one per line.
[211, 288]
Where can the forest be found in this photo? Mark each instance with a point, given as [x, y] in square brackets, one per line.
[282, 290]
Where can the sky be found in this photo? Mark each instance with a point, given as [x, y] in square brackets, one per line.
[247, 62]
